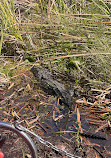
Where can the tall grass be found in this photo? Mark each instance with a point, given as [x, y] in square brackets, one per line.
[54, 28]
[1, 40]
[9, 24]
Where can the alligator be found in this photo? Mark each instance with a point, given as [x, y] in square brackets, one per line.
[53, 87]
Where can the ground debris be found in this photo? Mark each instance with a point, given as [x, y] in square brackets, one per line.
[52, 86]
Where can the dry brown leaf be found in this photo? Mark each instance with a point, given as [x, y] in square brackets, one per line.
[34, 120]
[12, 84]
[4, 80]
[6, 113]
[28, 87]
[59, 117]
[78, 120]
[57, 109]
[53, 115]
[101, 127]
[15, 114]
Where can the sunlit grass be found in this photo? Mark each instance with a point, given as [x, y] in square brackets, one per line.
[54, 30]
[1, 40]
[9, 24]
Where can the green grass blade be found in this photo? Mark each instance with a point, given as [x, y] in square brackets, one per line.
[1, 40]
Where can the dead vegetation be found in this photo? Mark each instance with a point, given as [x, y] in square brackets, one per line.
[22, 97]
[73, 42]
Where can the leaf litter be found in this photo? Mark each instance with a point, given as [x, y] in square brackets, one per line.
[87, 129]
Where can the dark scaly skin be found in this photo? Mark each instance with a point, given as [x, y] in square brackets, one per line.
[51, 86]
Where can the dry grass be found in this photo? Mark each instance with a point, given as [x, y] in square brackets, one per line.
[44, 30]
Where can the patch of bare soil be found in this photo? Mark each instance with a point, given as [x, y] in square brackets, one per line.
[85, 135]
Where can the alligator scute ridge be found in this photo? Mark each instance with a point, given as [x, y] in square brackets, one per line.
[52, 86]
